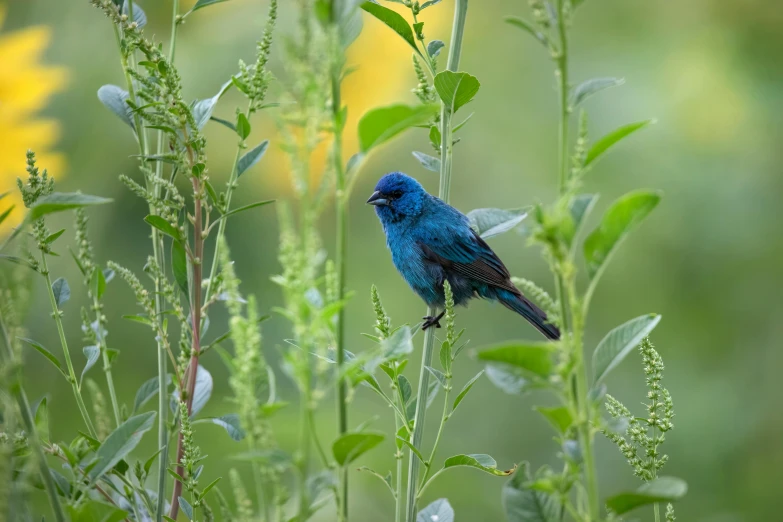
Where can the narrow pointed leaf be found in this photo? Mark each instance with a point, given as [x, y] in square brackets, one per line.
[605, 143]
[406, 442]
[59, 201]
[438, 375]
[202, 109]
[619, 342]
[466, 389]
[179, 266]
[427, 161]
[589, 87]
[243, 126]
[205, 3]
[186, 508]
[120, 443]
[528, 28]
[351, 446]
[385, 479]
[163, 225]
[246, 207]
[46, 353]
[251, 157]
[91, 353]
[41, 414]
[394, 20]
[51, 238]
[624, 214]
[147, 391]
[228, 422]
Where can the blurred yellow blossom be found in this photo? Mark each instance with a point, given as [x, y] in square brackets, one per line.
[25, 88]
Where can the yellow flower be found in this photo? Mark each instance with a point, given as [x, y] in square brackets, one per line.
[25, 88]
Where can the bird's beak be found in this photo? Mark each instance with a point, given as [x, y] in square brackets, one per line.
[377, 199]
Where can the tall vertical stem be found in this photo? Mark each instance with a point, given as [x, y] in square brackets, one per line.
[446, 149]
[29, 423]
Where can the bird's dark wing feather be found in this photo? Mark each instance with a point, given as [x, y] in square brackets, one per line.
[471, 257]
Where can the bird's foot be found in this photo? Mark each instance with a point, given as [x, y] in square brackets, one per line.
[432, 321]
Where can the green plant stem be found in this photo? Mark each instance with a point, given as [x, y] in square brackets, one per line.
[32, 433]
[657, 512]
[443, 419]
[107, 364]
[305, 444]
[446, 147]
[71, 373]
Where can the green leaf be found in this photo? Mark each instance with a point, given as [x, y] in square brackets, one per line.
[406, 442]
[380, 125]
[445, 356]
[115, 99]
[185, 507]
[351, 446]
[41, 416]
[17, 260]
[201, 394]
[246, 207]
[427, 161]
[179, 266]
[209, 487]
[202, 4]
[91, 353]
[435, 47]
[438, 375]
[624, 214]
[243, 126]
[619, 342]
[386, 480]
[661, 489]
[559, 417]
[61, 291]
[524, 504]
[98, 283]
[482, 462]
[138, 14]
[7, 213]
[589, 87]
[456, 88]
[606, 142]
[535, 358]
[438, 511]
[147, 391]
[51, 238]
[435, 137]
[163, 225]
[223, 122]
[466, 389]
[251, 157]
[120, 443]
[489, 222]
[228, 422]
[406, 390]
[46, 353]
[528, 28]
[579, 208]
[507, 378]
[398, 345]
[59, 201]
[394, 20]
[93, 510]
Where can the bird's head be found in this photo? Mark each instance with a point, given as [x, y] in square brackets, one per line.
[398, 197]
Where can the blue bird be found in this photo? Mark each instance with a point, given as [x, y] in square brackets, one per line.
[431, 241]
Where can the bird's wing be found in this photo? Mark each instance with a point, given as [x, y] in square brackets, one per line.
[470, 256]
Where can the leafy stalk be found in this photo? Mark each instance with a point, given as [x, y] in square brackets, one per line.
[460, 13]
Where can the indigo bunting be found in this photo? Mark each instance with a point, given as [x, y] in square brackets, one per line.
[431, 241]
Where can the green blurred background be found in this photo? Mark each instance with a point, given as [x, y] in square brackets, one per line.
[708, 259]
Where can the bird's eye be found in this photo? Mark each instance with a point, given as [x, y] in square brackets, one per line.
[396, 194]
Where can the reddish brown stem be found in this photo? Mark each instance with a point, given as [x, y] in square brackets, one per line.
[195, 316]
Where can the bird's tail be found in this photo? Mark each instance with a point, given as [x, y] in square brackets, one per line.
[537, 317]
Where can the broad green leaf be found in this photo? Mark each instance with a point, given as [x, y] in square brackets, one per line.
[446, 356]
[229, 422]
[61, 291]
[661, 489]
[386, 479]
[41, 415]
[488, 222]
[606, 142]
[115, 99]
[46, 353]
[406, 390]
[466, 389]
[427, 161]
[98, 282]
[186, 508]
[482, 462]
[456, 88]
[535, 358]
[163, 225]
[398, 345]
[251, 157]
[120, 443]
[351, 446]
[246, 207]
[380, 125]
[528, 28]
[59, 201]
[202, 4]
[524, 504]
[440, 376]
[138, 14]
[559, 417]
[93, 510]
[91, 353]
[438, 511]
[243, 126]
[589, 87]
[179, 266]
[619, 342]
[508, 378]
[147, 391]
[435, 47]
[625, 213]
[394, 20]
[203, 390]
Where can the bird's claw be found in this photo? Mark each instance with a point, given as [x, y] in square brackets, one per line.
[432, 321]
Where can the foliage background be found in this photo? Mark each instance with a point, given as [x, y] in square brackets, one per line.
[708, 259]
